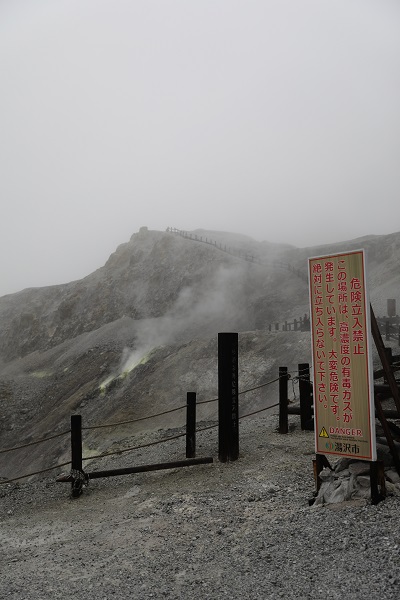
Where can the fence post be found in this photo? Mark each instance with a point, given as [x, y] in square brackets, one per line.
[190, 424]
[283, 400]
[389, 356]
[305, 396]
[228, 397]
[76, 455]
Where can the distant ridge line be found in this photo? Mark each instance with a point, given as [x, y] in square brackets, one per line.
[247, 256]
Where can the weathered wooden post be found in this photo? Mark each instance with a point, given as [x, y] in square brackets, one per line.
[228, 397]
[387, 324]
[283, 400]
[389, 356]
[391, 307]
[305, 396]
[190, 424]
[377, 480]
[76, 455]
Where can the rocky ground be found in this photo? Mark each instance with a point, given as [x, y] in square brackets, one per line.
[238, 530]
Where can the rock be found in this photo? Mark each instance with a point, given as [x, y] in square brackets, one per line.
[342, 464]
[326, 474]
[393, 488]
[392, 476]
[383, 454]
[359, 468]
[363, 481]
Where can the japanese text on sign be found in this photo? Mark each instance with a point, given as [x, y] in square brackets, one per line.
[340, 347]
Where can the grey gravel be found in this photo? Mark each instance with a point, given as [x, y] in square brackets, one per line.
[238, 530]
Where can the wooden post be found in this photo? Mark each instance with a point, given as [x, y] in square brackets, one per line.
[387, 432]
[377, 478]
[76, 455]
[320, 462]
[283, 400]
[385, 363]
[387, 325]
[146, 468]
[389, 354]
[305, 397]
[191, 425]
[228, 397]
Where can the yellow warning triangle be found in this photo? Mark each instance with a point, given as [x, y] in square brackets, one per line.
[323, 433]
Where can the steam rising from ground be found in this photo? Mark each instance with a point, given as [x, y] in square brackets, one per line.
[196, 310]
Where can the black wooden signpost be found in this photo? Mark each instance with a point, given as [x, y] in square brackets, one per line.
[190, 424]
[76, 456]
[228, 397]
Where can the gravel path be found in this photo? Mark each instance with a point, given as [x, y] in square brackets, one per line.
[238, 530]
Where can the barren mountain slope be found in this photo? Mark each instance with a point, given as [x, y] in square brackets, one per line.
[153, 275]
[133, 337]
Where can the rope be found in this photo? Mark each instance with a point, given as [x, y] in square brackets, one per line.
[174, 437]
[206, 428]
[36, 473]
[128, 422]
[165, 412]
[259, 386]
[258, 411]
[52, 437]
[207, 401]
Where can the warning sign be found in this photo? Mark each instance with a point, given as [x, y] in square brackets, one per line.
[340, 338]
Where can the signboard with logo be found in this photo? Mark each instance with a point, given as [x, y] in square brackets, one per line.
[344, 411]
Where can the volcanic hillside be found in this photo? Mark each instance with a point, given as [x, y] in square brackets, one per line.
[133, 337]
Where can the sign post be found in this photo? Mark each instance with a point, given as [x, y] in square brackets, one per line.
[341, 341]
[228, 400]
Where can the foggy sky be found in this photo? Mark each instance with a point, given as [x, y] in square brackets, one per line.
[278, 119]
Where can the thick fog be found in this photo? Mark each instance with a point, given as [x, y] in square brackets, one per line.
[278, 119]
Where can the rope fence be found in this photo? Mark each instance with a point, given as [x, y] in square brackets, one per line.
[132, 448]
[173, 437]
